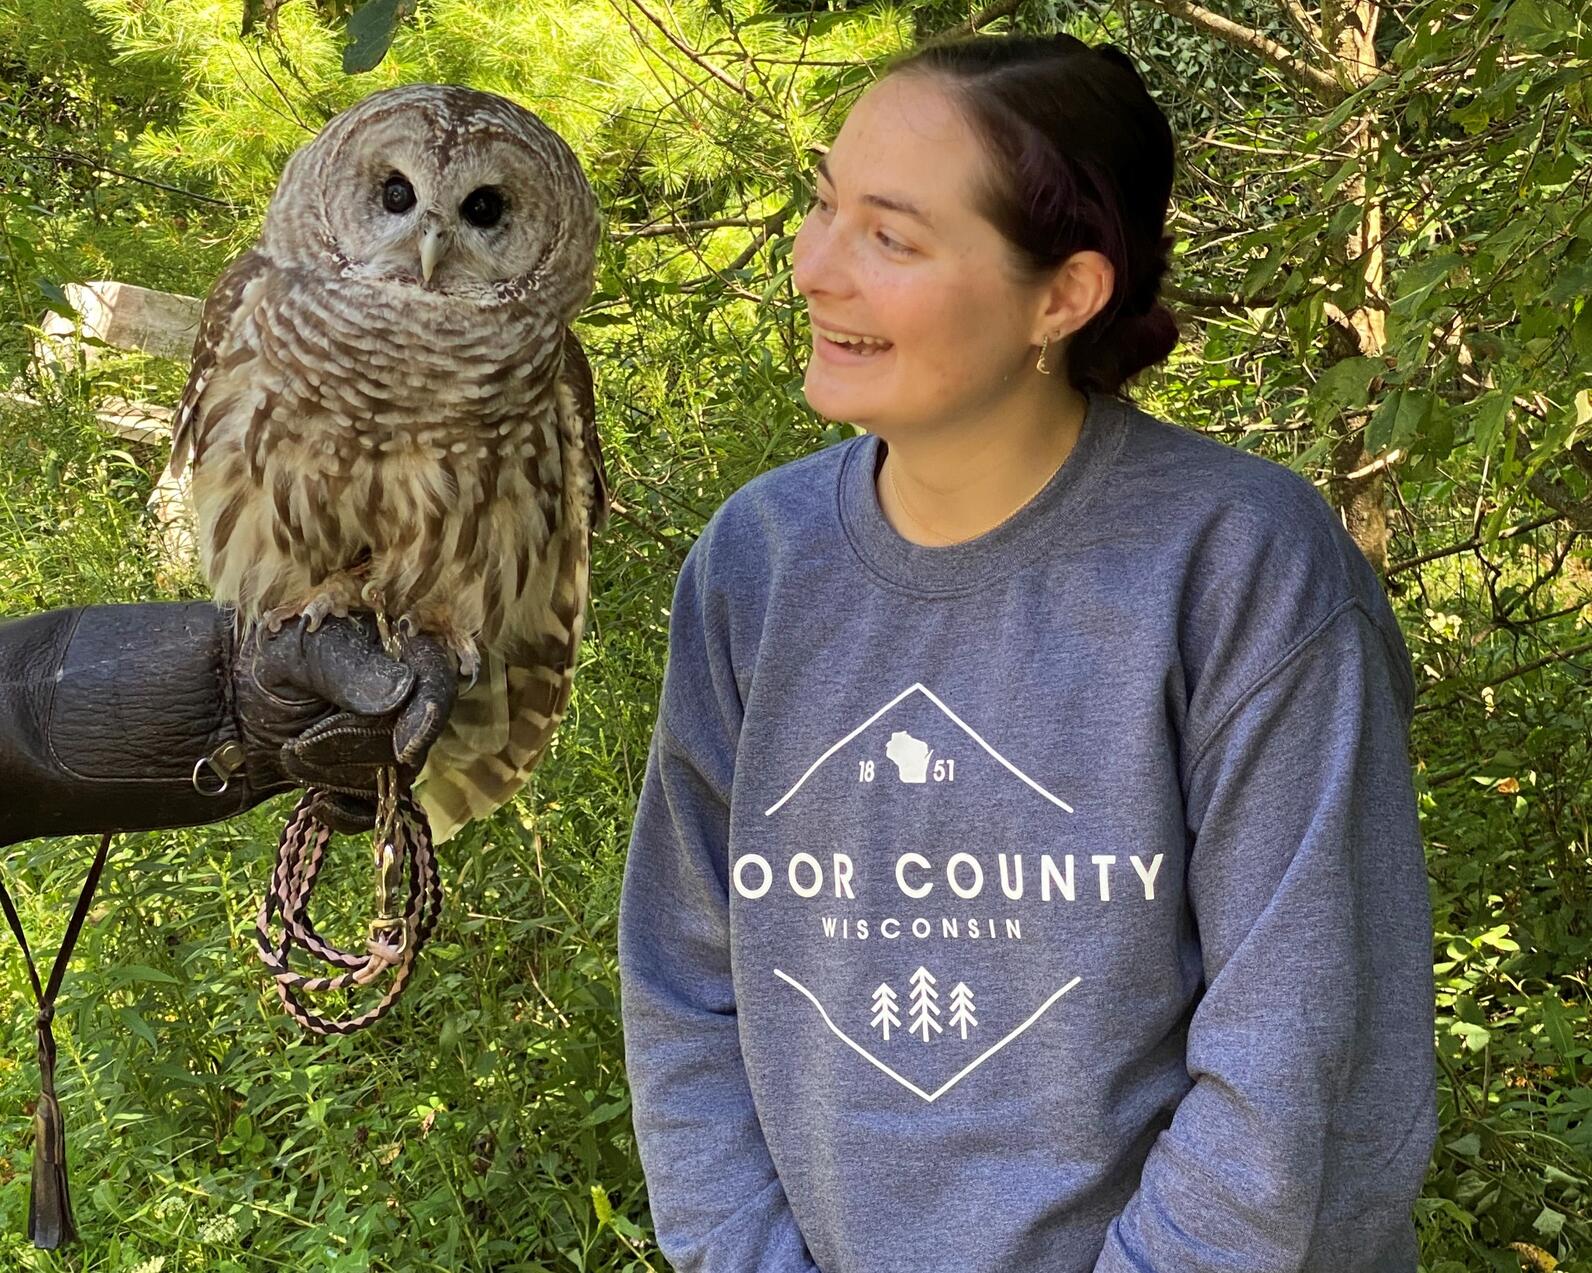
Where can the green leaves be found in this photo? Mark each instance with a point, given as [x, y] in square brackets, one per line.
[1344, 386]
[370, 33]
[55, 298]
[1476, 1037]
[1543, 25]
[486, 1125]
[1399, 419]
[1581, 331]
[244, 1138]
[1491, 412]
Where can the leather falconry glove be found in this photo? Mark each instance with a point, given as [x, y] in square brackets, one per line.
[136, 717]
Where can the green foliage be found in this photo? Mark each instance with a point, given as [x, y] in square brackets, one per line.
[1504, 780]
[486, 1125]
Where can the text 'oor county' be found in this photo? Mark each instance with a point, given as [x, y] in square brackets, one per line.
[1049, 876]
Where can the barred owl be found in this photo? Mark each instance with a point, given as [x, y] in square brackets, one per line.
[387, 410]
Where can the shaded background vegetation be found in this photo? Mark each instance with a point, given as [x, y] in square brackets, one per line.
[1383, 261]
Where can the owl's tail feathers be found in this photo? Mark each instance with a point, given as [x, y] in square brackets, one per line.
[495, 737]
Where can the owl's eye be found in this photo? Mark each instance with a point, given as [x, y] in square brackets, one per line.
[483, 207]
[397, 195]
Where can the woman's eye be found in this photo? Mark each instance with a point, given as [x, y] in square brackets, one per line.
[397, 195]
[820, 204]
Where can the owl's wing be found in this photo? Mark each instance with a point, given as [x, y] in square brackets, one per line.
[233, 297]
[501, 726]
[578, 414]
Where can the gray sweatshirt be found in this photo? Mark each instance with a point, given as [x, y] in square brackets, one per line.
[1052, 901]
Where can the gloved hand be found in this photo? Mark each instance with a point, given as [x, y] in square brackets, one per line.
[149, 715]
[329, 709]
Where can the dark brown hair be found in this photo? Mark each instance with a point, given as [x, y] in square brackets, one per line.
[1082, 160]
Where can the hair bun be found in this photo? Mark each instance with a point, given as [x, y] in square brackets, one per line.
[1113, 54]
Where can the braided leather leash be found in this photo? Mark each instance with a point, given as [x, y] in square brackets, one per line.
[402, 848]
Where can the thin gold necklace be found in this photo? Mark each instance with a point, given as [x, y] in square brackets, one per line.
[902, 503]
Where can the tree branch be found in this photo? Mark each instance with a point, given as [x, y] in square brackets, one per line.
[1546, 487]
[1386, 461]
[1222, 302]
[687, 227]
[1475, 542]
[1310, 78]
[1558, 656]
[1000, 9]
[627, 514]
[718, 73]
[770, 227]
[70, 157]
[1309, 30]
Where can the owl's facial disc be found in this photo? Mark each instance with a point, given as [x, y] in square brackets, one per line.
[454, 193]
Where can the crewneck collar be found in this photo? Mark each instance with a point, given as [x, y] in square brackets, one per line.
[1039, 526]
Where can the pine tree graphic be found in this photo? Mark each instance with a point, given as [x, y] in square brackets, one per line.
[962, 1008]
[925, 1008]
[885, 1015]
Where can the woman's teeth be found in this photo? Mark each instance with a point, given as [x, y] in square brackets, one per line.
[856, 343]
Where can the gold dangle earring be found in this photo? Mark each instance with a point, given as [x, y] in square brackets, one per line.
[1044, 370]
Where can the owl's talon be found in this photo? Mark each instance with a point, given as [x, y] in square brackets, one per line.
[323, 605]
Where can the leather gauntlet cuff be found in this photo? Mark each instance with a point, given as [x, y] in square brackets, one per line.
[104, 713]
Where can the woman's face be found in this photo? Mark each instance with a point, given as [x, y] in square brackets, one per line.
[894, 249]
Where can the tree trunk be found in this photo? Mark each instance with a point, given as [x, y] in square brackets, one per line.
[1350, 31]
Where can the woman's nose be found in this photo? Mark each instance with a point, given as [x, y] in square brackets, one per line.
[816, 266]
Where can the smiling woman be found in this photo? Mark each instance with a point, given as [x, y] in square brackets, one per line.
[953, 239]
[1027, 872]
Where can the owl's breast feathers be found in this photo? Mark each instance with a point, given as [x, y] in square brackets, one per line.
[355, 422]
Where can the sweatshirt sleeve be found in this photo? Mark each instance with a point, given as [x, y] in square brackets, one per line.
[1304, 1140]
[717, 1204]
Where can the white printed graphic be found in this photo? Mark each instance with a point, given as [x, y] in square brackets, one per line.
[911, 756]
[925, 1005]
[907, 749]
[885, 1016]
[962, 1008]
[907, 1083]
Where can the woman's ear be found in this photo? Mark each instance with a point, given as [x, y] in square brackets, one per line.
[1079, 289]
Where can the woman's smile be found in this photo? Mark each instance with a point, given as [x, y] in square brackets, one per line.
[849, 350]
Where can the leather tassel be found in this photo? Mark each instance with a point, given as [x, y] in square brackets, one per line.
[50, 1200]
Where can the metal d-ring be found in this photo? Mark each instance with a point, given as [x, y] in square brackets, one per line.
[224, 761]
[201, 789]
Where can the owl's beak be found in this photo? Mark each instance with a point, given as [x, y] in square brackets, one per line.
[433, 245]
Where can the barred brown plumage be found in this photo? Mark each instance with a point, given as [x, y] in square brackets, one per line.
[389, 410]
